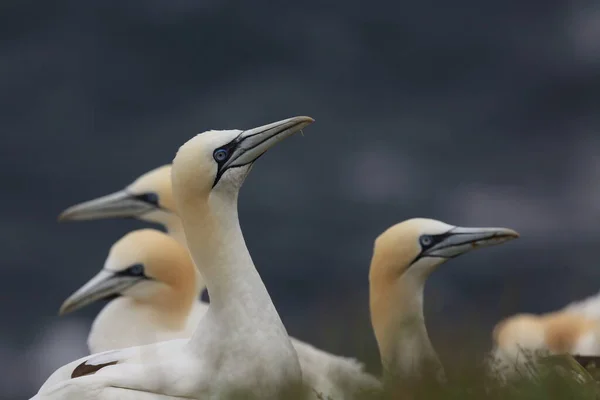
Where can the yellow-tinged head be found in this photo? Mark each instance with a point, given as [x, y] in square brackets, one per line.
[156, 182]
[403, 257]
[215, 163]
[413, 248]
[146, 265]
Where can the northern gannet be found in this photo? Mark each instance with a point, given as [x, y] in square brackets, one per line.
[241, 348]
[157, 286]
[152, 275]
[522, 338]
[327, 373]
[403, 258]
[148, 198]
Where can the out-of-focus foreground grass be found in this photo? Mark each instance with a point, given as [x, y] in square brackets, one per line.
[560, 378]
[557, 378]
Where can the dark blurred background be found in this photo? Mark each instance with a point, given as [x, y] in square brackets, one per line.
[475, 113]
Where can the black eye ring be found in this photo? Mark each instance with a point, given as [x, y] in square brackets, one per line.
[220, 155]
[150, 198]
[426, 240]
[136, 270]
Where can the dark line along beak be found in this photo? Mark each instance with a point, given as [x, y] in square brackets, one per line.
[253, 143]
[104, 285]
[461, 240]
[115, 205]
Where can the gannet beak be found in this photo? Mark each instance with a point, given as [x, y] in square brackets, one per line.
[105, 284]
[115, 205]
[459, 240]
[253, 143]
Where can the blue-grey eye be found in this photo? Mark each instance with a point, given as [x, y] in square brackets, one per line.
[136, 270]
[220, 155]
[426, 240]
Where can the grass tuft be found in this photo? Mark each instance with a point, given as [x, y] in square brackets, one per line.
[555, 377]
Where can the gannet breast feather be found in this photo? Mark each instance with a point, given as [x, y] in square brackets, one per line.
[520, 331]
[572, 334]
[334, 376]
[588, 307]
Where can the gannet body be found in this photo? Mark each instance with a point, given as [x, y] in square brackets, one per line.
[241, 348]
[588, 307]
[153, 276]
[149, 198]
[327, 373]
[522, 338]
[157, 286]
[334, 377]
[403, 258]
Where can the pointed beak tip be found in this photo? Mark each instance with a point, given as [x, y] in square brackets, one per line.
[502, 236]
[67, 308]
[303, 120]
[69, 214]
[63, 310]
[63, 216]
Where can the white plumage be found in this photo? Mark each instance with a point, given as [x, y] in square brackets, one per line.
[522, 338]
[588, 307]
[404, 350]
[403, 258]
[241, 347]
[158, 287]
[327, 373]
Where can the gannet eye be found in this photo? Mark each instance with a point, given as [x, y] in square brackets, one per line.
[150, 197]
[136, 270]
[426, 240]
[220, 155]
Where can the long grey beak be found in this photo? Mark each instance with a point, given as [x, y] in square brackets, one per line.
[461, 240]
[253, 143]
[115, 205]
[104, 285]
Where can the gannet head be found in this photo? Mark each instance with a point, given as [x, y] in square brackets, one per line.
[148, 198]
[403, 257]
[146, 265]
[215, 163]
[414, 248]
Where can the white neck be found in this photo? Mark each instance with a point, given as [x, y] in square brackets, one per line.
[399, 324]
[238, 296]
[411, 348]
[175, 229]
